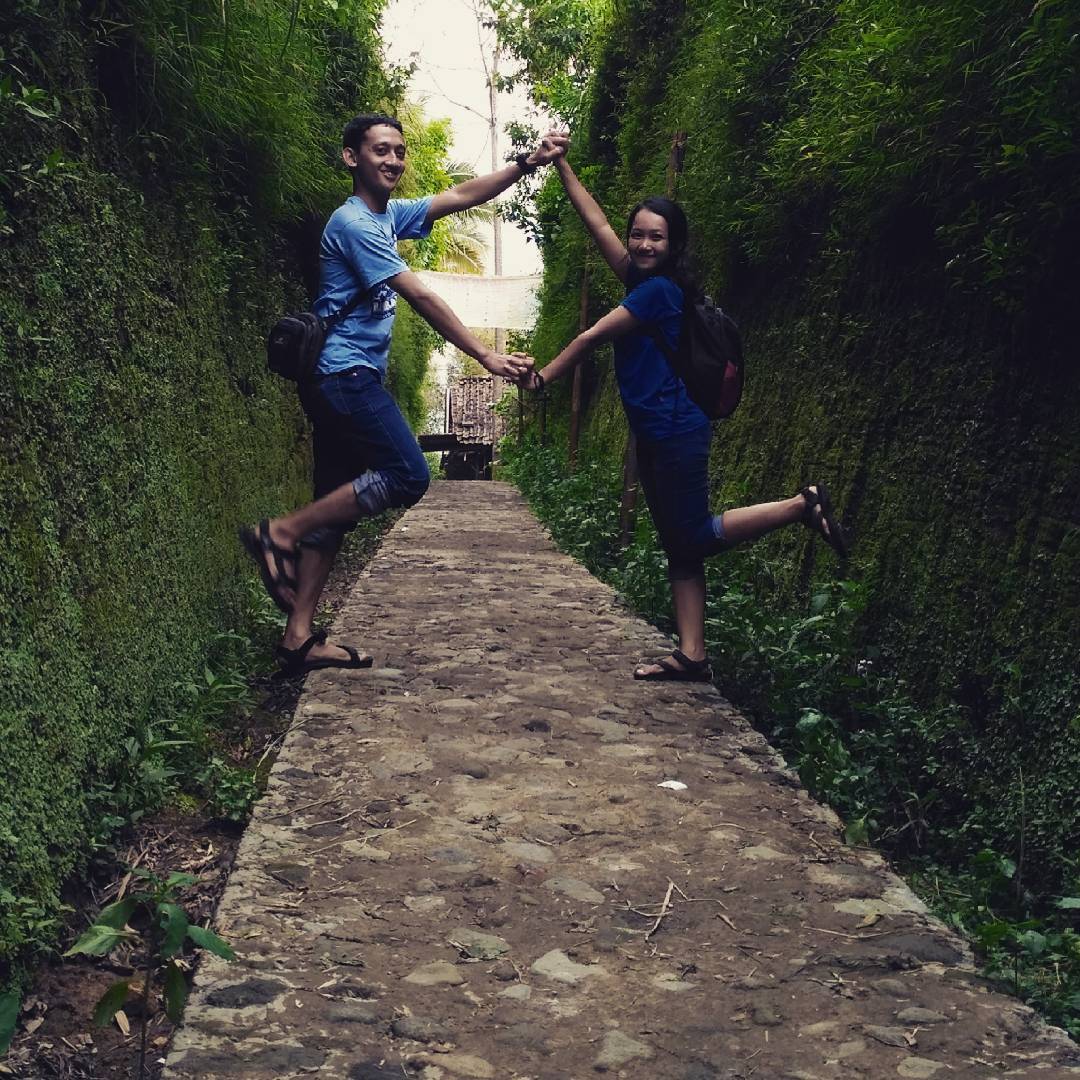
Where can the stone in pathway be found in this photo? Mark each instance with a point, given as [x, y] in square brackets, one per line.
[464, 865]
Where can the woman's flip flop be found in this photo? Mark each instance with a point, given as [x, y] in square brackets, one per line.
[688, 671]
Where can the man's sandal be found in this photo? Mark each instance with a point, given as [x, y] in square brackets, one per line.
[293, 662]
[825, 524]
[688, 671]
[270, 557]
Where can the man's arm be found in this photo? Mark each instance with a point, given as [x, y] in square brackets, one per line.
[481, 189]
[434, 310]
[614, 324]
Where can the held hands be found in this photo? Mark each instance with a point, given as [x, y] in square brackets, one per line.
[531, 380]
[553, 145]
[515, 366]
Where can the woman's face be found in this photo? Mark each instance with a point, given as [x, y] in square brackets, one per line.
[648, 241]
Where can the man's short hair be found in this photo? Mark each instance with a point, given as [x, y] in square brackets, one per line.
[353, 135]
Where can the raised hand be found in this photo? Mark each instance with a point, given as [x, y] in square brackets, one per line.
[553, 145]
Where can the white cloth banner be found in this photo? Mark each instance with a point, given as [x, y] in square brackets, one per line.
[488, 302]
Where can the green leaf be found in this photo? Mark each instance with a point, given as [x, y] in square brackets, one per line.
[174, 923]
[175, 992]
[1068, 903]
[9, 1015]
[97, 941]
[207, 939]
[111, 1002]
[176, 879]
[1032, 942]
[856, 832]
[116, 915]
[990, 935]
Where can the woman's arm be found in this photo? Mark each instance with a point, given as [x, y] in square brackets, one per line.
[611, 247]
[614, 324]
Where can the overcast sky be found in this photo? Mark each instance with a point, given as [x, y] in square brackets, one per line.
[441, 35]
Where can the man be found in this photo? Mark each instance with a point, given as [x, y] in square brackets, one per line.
[366, 457]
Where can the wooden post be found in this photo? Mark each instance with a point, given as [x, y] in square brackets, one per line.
[575, 394]
[628, 503]
[521, 415]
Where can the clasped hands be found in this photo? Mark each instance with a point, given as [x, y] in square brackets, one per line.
[515, 366]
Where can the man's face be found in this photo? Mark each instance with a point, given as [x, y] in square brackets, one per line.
[380, 160]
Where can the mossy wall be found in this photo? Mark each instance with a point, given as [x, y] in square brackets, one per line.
[885, 196]
[141, 428]
[139, 271]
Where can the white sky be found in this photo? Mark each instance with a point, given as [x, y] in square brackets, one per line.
[441, 35]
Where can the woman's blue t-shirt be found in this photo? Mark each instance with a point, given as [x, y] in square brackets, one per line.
[657, 404]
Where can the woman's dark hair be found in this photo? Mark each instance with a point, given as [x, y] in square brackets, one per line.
[353, 135]
[677, 265]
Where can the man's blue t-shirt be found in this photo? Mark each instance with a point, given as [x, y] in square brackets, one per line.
[359, 249]
[656, 401]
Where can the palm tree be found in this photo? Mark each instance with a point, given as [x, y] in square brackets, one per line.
[465, 245]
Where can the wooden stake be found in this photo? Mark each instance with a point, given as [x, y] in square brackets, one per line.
[628, 502]
[575, 395]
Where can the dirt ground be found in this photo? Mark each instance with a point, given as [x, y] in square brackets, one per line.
[495, 855]
[56, 1037]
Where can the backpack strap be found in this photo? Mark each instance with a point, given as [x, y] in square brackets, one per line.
[661, 343]
[332, 320]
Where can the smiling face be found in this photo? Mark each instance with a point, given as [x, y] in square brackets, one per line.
[647, 242]
[377, 164]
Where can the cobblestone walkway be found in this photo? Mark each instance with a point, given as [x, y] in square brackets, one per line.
[466, 864]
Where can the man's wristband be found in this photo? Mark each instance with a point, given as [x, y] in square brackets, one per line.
[522, 162]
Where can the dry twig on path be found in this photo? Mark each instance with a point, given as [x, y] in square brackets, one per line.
[665, 909]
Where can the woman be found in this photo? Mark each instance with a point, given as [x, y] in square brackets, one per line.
[672, 433]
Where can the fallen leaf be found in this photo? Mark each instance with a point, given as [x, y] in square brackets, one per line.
[122, 1021]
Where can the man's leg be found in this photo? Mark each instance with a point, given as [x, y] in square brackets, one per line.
[359, 432]
[313, 570]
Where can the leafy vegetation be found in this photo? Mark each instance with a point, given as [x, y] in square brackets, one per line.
[167, 929]
[164, 168]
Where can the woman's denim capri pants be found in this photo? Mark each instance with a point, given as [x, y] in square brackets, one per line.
[674, 476]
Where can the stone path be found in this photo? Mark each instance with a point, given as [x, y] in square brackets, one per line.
[466, 864]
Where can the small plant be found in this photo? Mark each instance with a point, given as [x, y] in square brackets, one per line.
[230, 791]
[167, 928]
[10, 1003]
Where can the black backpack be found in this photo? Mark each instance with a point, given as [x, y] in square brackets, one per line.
[295, 341]
[708, 358]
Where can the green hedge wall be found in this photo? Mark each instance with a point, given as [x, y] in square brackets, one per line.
[140, 429]
[149, 235]
[886, 196]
